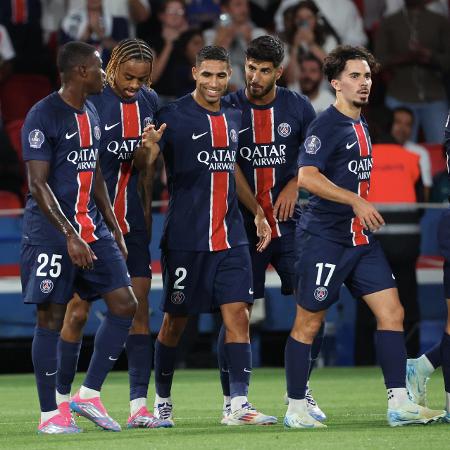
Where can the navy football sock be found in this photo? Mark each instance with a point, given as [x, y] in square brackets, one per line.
[165, 358]
[68, 353]
[297, 361]
[434, 355]
[315, 348]
[139, 354]
[239, 361]
[445, 355]
[222, 361]
[391, 352]
[108, 346]
[43, 354]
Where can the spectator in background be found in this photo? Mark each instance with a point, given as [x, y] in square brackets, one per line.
[11, 169]
[202, 13]
[307, 34]
[342, 15]
[309, 83]
[414, 47]
[401, 131]
[7, 54]
[233, 32]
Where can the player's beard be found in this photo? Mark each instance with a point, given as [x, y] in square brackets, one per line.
[261, 93]
[360, 104]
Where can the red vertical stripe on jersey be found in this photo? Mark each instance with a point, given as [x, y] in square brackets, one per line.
[86, 224]
[131, 121]
[19, 11]
[264, 182]
[359, 238]
[218, 233]
[262, 121]
[219, 131]
[84, 130]
[120, 199]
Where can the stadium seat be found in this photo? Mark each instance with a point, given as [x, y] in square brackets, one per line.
[9, 200]
[13, 130]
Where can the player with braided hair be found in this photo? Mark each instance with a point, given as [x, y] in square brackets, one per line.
[126, 107]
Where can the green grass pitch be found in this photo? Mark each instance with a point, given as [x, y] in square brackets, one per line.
[354, 400]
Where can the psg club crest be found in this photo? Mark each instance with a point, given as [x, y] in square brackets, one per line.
[177, 298]
[36, 138]
[321, 293]
[312, 145]
[97, 132]
[46, 286]
[233, 135]
[284, 129]
[147, 121]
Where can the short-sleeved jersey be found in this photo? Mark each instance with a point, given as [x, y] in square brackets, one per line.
[199, 148]
[69, 140]
[122, 123]
[269, 142]
[340, 148]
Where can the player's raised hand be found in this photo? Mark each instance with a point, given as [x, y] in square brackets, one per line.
[370, 218]
[263, 231]
[120, 241]
[285, 205]
[80, 253]
[151, 135]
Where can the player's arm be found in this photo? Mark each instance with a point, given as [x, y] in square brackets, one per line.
[247, 198]
[287, 199]
[103, 203]
[149, 149]
[145, 189]
[79, 251]
[311, 179]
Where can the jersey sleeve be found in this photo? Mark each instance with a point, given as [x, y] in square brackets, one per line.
[36, 137]
[447, 137]
[318, 144]
[305, 113]
[165, 115]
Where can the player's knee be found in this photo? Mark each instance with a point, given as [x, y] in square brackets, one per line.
[125, 305]
[392, 318]
[52, 321]
[306, 330]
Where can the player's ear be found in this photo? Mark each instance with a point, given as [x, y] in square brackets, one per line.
[194, 72]
[279, 72]
[336, 84]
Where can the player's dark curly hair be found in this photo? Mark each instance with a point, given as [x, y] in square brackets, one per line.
[73, 54]
[266, 48]
[335, 61]
[124, 51]
[212, 52]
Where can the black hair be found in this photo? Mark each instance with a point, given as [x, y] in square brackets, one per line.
[302, 57]
[73, 54]
[266, 48]
[335, 61]
[404, 109]
[212, 52]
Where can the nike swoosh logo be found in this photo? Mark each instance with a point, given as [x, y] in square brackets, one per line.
[196, 136]
[246, 370]
[245, 129]
[166, 374]
[109, 127]
[250, 291]
[70, 136]
[113, 359]
[349, 146]
[50, 374]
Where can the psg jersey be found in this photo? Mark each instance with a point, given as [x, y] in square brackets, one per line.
[122, 123]
[199, 148]
[340, 148]
[269, 143]
[447, 143]
[69, 140]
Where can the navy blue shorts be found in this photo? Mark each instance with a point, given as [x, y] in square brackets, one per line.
[444, 247]
[200, 282]
[281, 254]
[322, 267]
[48, 275]
[139, 260]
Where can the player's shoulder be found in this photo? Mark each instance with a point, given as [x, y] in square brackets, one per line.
[326, 119]
[169, 111]
[289, 96]
[47, 105]
[236, 99]
[149, 95]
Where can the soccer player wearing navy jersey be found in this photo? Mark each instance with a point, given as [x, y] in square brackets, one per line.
[335, 244]
[125, 107]
[67, 245]
[274, 124]
[420, 369]
[205, 256]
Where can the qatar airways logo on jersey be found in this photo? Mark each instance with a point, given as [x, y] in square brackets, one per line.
[361, 168]
[264, 155]
[123, 150]
[84, 159]
[218, 159]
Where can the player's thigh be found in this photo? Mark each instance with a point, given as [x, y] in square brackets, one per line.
[233, 278]
[321, 267]
[386, 308]
[47, 274]
[283, 260]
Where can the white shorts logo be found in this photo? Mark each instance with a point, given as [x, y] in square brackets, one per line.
[284, 129]
[321, 293]
[36, 138]
[177, 298]
[46, 286]
[312, 145]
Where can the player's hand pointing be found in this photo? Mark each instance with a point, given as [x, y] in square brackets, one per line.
[80, 253]
[285, 205]
[151, 135]
[370, 218]
[263, 231]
